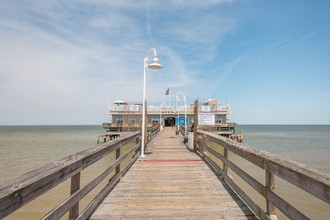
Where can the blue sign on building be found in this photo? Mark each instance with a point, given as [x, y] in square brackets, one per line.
[180, 120]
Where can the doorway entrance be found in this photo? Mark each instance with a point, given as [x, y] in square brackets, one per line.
[169, 121]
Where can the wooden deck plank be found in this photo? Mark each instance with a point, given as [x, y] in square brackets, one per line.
[171, 183]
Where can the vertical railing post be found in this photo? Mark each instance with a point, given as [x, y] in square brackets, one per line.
[225, 154]
[117, 157]
[75, 186]
[202, 145]
[195, 123]
[137, 140]
[270, 185]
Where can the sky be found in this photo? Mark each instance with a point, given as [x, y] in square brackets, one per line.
[62, 62]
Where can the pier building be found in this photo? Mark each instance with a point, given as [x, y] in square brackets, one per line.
[127, 116]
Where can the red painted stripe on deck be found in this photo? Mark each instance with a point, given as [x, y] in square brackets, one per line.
[168, 161]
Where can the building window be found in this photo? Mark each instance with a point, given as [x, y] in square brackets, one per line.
[155, 121]
[219, 120]
[119, 120]
[131, 120]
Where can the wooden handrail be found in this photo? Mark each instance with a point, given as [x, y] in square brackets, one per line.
[182, 130]
[309, 180]
[19, 191]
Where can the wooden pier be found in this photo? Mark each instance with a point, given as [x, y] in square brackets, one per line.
[169, 183]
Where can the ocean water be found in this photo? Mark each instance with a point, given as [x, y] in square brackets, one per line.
[307, 144]
[24, 148]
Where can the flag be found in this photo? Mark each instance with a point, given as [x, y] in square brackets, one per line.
[167, 91]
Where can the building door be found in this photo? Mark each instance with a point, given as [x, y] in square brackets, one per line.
[169, 121]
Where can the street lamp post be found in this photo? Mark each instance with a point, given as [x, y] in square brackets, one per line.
[185, 109]
[153, 65]
[160, 117]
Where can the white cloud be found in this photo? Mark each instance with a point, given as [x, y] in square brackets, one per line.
[65, 55]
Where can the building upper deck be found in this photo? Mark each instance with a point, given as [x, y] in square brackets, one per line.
[137, 109]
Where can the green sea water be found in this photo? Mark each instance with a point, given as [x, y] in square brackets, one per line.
[307, 144]
[24, 148]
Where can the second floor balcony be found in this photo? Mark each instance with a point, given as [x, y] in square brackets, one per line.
[137, 109]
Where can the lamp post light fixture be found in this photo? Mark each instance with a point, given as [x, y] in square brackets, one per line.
[185, 110]
[153, 65]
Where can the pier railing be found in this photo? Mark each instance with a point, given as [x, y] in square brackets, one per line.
[137, 109]
[152, 132]
[313, 182]
[19, 191]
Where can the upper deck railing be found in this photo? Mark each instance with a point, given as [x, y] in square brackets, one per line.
[134, 109]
